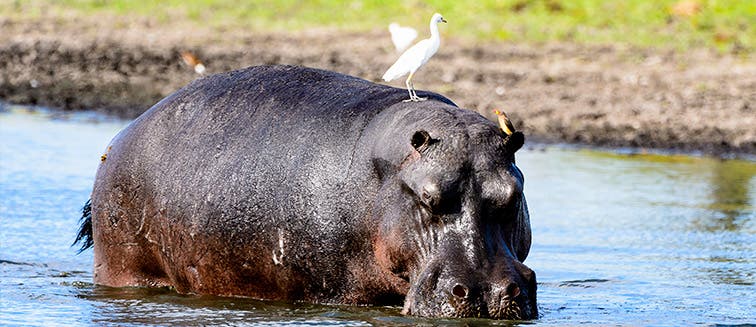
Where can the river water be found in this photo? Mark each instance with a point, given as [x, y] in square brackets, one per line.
[621, 239]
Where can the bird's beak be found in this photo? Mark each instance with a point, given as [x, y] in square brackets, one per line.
[443, 20]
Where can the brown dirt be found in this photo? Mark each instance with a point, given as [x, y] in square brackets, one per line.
[597, 95]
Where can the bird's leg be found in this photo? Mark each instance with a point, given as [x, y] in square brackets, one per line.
[417, 98]
[410, 89]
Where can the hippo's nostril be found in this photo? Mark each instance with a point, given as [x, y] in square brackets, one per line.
[513, 290]
[459, 291]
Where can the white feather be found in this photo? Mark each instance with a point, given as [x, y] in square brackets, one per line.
[402, 37]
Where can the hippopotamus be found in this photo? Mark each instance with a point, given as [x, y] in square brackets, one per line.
[299, 184]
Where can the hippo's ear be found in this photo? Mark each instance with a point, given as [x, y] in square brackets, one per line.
[514, 142]
[420, 140]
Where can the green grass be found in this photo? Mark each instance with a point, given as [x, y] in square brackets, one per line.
[728, 25]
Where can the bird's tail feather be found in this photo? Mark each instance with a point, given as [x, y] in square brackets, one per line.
[393, 73]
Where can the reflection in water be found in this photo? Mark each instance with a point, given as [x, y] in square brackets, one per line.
[730, 196]
[134, 306]
[730, 212]
[650, 226]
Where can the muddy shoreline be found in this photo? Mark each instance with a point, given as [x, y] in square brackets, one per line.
[609, 96]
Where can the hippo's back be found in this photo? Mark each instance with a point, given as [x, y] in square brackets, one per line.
[280, 110]
[268, 104]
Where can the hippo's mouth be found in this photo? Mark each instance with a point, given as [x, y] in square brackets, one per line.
[514, 309]
[518, 308]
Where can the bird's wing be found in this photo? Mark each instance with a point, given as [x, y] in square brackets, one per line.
[409, 61]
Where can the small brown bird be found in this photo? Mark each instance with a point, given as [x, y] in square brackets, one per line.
[194, 62]
[504, 123]
[104, 156]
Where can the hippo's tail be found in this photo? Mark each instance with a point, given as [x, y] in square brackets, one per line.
[85, 230]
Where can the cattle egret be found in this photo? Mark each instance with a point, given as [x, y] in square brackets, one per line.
[415, 57]
[504, 123]
[402, 36]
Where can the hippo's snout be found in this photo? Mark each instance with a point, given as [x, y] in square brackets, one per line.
[514, 298]
[511, 296]
[509, 301]
[500, 300]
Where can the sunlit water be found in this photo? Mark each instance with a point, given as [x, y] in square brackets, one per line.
[617, 239]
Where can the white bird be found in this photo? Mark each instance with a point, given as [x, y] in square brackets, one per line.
[402, 36]
[415, 57]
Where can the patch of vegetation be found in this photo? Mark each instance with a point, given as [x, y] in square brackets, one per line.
[727, 25]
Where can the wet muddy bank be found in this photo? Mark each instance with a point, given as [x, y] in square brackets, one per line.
[698, 101]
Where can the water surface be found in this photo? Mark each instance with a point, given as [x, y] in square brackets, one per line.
[617, 239]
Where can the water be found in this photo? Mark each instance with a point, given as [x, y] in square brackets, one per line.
[618, 239]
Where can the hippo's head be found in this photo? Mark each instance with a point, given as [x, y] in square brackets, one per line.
[453, 222]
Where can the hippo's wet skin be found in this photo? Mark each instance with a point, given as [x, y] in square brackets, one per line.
[292, 183]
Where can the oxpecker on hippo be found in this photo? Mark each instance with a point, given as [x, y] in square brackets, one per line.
[298, 184]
